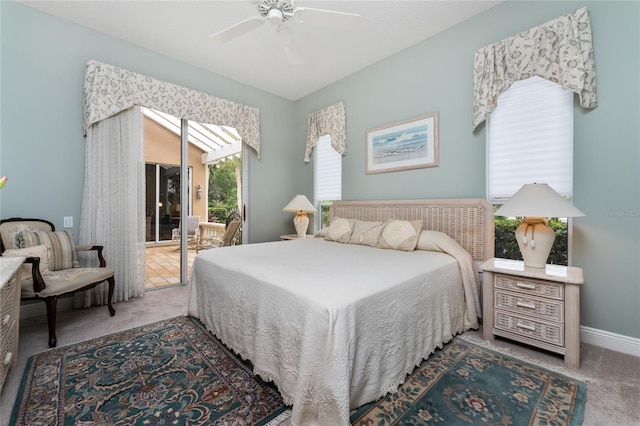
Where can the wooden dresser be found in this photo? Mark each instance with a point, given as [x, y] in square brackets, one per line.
[10, 281]
[533, 307]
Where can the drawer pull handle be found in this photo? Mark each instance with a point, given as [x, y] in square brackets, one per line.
[7, 358]
[526, 326]
[6, 319]
[525, 285]
[525, 305]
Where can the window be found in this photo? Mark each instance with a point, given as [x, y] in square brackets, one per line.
[530, 139]
[327, 172]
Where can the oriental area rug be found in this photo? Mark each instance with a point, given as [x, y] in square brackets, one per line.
[172, 372]
[175, 372]
[465, 384]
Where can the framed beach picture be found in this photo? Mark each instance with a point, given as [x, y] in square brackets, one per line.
[409, 144]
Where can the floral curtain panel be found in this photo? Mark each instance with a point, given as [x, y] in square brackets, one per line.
[109, 90]
[560, 50]
[328, 121]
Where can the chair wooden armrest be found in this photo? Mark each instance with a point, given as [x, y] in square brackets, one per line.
[38, 281]
[103, 262]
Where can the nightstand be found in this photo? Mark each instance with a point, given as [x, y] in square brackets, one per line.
[532, 306]
[294, 237]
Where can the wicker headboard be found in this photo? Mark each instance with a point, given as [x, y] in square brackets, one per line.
[468, 220]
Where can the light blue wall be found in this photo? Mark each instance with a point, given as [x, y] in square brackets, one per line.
[436, 75]
[42, 146]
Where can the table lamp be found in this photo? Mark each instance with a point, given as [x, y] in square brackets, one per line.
[535, 202]
[301, 206]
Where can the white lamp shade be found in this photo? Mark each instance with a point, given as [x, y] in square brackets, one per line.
[300, 203]
[538, 200]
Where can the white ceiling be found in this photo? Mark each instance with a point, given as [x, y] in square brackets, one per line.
[181, 30]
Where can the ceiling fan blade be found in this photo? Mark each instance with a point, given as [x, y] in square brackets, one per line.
[326, 18]
[237, 29]
[291, 47]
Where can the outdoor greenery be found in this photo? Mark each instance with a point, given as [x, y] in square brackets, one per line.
[223, 189]
[324, 210]
[506, 246]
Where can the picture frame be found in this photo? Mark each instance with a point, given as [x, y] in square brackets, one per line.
[405, 145]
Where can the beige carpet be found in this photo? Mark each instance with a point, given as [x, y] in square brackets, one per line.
[613, 379]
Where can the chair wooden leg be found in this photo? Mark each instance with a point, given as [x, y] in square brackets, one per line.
[112, 285]
[52, 308]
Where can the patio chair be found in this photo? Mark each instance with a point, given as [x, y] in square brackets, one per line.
[211, 237]
[52, 268]
[227, 239]
[209, 231]
[193, 230]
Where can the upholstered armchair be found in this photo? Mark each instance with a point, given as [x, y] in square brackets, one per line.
[52, 268]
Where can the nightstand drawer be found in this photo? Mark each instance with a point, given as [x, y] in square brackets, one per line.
[546, 332]
[523, 304]
[6, 353]
[530, 286]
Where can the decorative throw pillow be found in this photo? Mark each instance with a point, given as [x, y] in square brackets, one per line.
[366, 233]
[12, 235]
[434, 240]
[60, 243]
[321, 233]
[400, 234]
[40, 251]
[340, 230]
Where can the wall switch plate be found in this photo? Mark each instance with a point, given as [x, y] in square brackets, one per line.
[68, 221]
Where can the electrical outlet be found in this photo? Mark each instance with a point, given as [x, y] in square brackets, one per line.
[68, 221]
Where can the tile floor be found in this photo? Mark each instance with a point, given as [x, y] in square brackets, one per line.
[163, 265]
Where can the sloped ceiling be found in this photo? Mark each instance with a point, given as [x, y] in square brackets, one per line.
[262, 58]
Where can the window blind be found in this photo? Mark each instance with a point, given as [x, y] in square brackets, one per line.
[327, 171]
[530, 139]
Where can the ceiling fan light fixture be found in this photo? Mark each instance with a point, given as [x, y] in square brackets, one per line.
[275, 16]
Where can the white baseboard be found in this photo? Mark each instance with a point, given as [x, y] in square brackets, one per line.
[593, 336]
[612, 341]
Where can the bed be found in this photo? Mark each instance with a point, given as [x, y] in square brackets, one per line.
[336, 325]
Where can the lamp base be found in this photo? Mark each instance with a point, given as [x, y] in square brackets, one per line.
[535, 239]
[301, 222]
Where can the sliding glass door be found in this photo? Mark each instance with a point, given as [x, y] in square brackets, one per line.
[163, 206]
[175, 148]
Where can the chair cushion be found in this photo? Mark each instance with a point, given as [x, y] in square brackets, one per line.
[40, 251]
[66, 281]
[11, 232]
[63, 250]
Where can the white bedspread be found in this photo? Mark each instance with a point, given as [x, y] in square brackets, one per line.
[333, 325]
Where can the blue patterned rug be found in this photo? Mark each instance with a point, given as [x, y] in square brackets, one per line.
[465, 384]
[172, 372]
[176, 372]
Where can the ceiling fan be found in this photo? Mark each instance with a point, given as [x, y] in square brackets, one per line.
[278, 12]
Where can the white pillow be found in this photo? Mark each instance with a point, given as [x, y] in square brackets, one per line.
[321, 233]
[366, 233]
[400, 234]
[40, 251]
[433, 240]
[340, 230]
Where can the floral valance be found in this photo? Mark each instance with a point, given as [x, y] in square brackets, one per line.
[109, 90]
[560, 51]
[330, 121]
